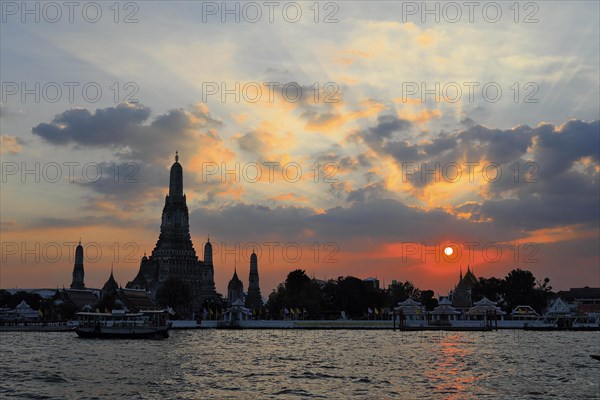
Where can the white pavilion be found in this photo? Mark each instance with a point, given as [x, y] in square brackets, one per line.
[483, 309]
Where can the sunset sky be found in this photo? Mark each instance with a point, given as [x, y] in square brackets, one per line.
[517, 181]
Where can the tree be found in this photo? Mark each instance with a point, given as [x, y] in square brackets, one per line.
[33, 299]
[428, 301]
[401, 291]
[492, 288]
[175, 293]
[521, 287]
[5, 297]
[276, 301]
[297, 292]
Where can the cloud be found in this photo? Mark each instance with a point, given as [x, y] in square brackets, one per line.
[124, 128]
[11, 144]
[143, 149]
[112, 126]
[84, 221]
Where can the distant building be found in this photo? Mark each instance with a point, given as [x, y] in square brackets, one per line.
[558, 308]
[410, 310]
[485, 308]
[235, 290]
[461, 295]
[254, 298]
[110, 287]
[373, 282]
[236, 310]
[585, 299]
[524, 313]
[77, 282]
[22, 312]
[134, 300]
[81, 299]
[174, 254]
[445, 311]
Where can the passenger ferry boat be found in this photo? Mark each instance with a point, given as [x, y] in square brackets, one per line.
[121, 325]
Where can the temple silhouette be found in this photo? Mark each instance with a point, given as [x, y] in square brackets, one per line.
[174, 255]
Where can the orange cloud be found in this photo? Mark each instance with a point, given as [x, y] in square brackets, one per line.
[289, 197]
[420, 117]
[10, 145]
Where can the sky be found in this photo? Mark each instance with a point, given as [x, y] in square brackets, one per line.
[343, 138]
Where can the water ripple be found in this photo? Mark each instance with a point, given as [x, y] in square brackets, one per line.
[219, 365]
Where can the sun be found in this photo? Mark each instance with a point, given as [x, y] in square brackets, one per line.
[448, 251]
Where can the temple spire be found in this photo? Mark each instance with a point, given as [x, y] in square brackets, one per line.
[254, 298]
[78, 273]
[176, 178]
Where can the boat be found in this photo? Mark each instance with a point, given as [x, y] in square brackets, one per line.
[122, 325]
[595, 356]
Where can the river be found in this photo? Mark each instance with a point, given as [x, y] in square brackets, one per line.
[281, 364]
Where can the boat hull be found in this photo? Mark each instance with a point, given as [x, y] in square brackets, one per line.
[105, 333]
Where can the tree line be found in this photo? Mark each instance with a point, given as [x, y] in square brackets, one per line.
[326, 299]
[357, 298]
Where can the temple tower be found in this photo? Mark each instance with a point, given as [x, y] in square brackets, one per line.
[207, 289]
[254, 298]
[235, 290]
[77, 282]
[174, 256]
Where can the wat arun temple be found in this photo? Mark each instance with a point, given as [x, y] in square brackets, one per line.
[174, 255]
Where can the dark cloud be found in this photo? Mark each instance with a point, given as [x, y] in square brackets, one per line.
[387, 125]
[380, 219]
[548, 175]
[126, 130]
[113, 126]
[379, 136]
[368, 192]
[252, 142]
[345, 163]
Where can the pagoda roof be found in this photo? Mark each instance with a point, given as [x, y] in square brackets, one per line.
[136, 300]
[524, 310]
[79, 297]
[485, 302]
[445, 307]
[409, 303]
[558, 306]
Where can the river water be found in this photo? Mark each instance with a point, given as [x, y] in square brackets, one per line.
[278, 364]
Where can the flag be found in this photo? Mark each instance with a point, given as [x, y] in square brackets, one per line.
[204, 313]
[41, 313]
[298, 312]
[370, 311]
[97, 310]
[211, 311]
[286, 311]
[376, 311]
[292, 311]
[106, 310]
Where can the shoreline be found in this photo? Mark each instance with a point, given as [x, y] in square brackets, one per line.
[456, 326]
